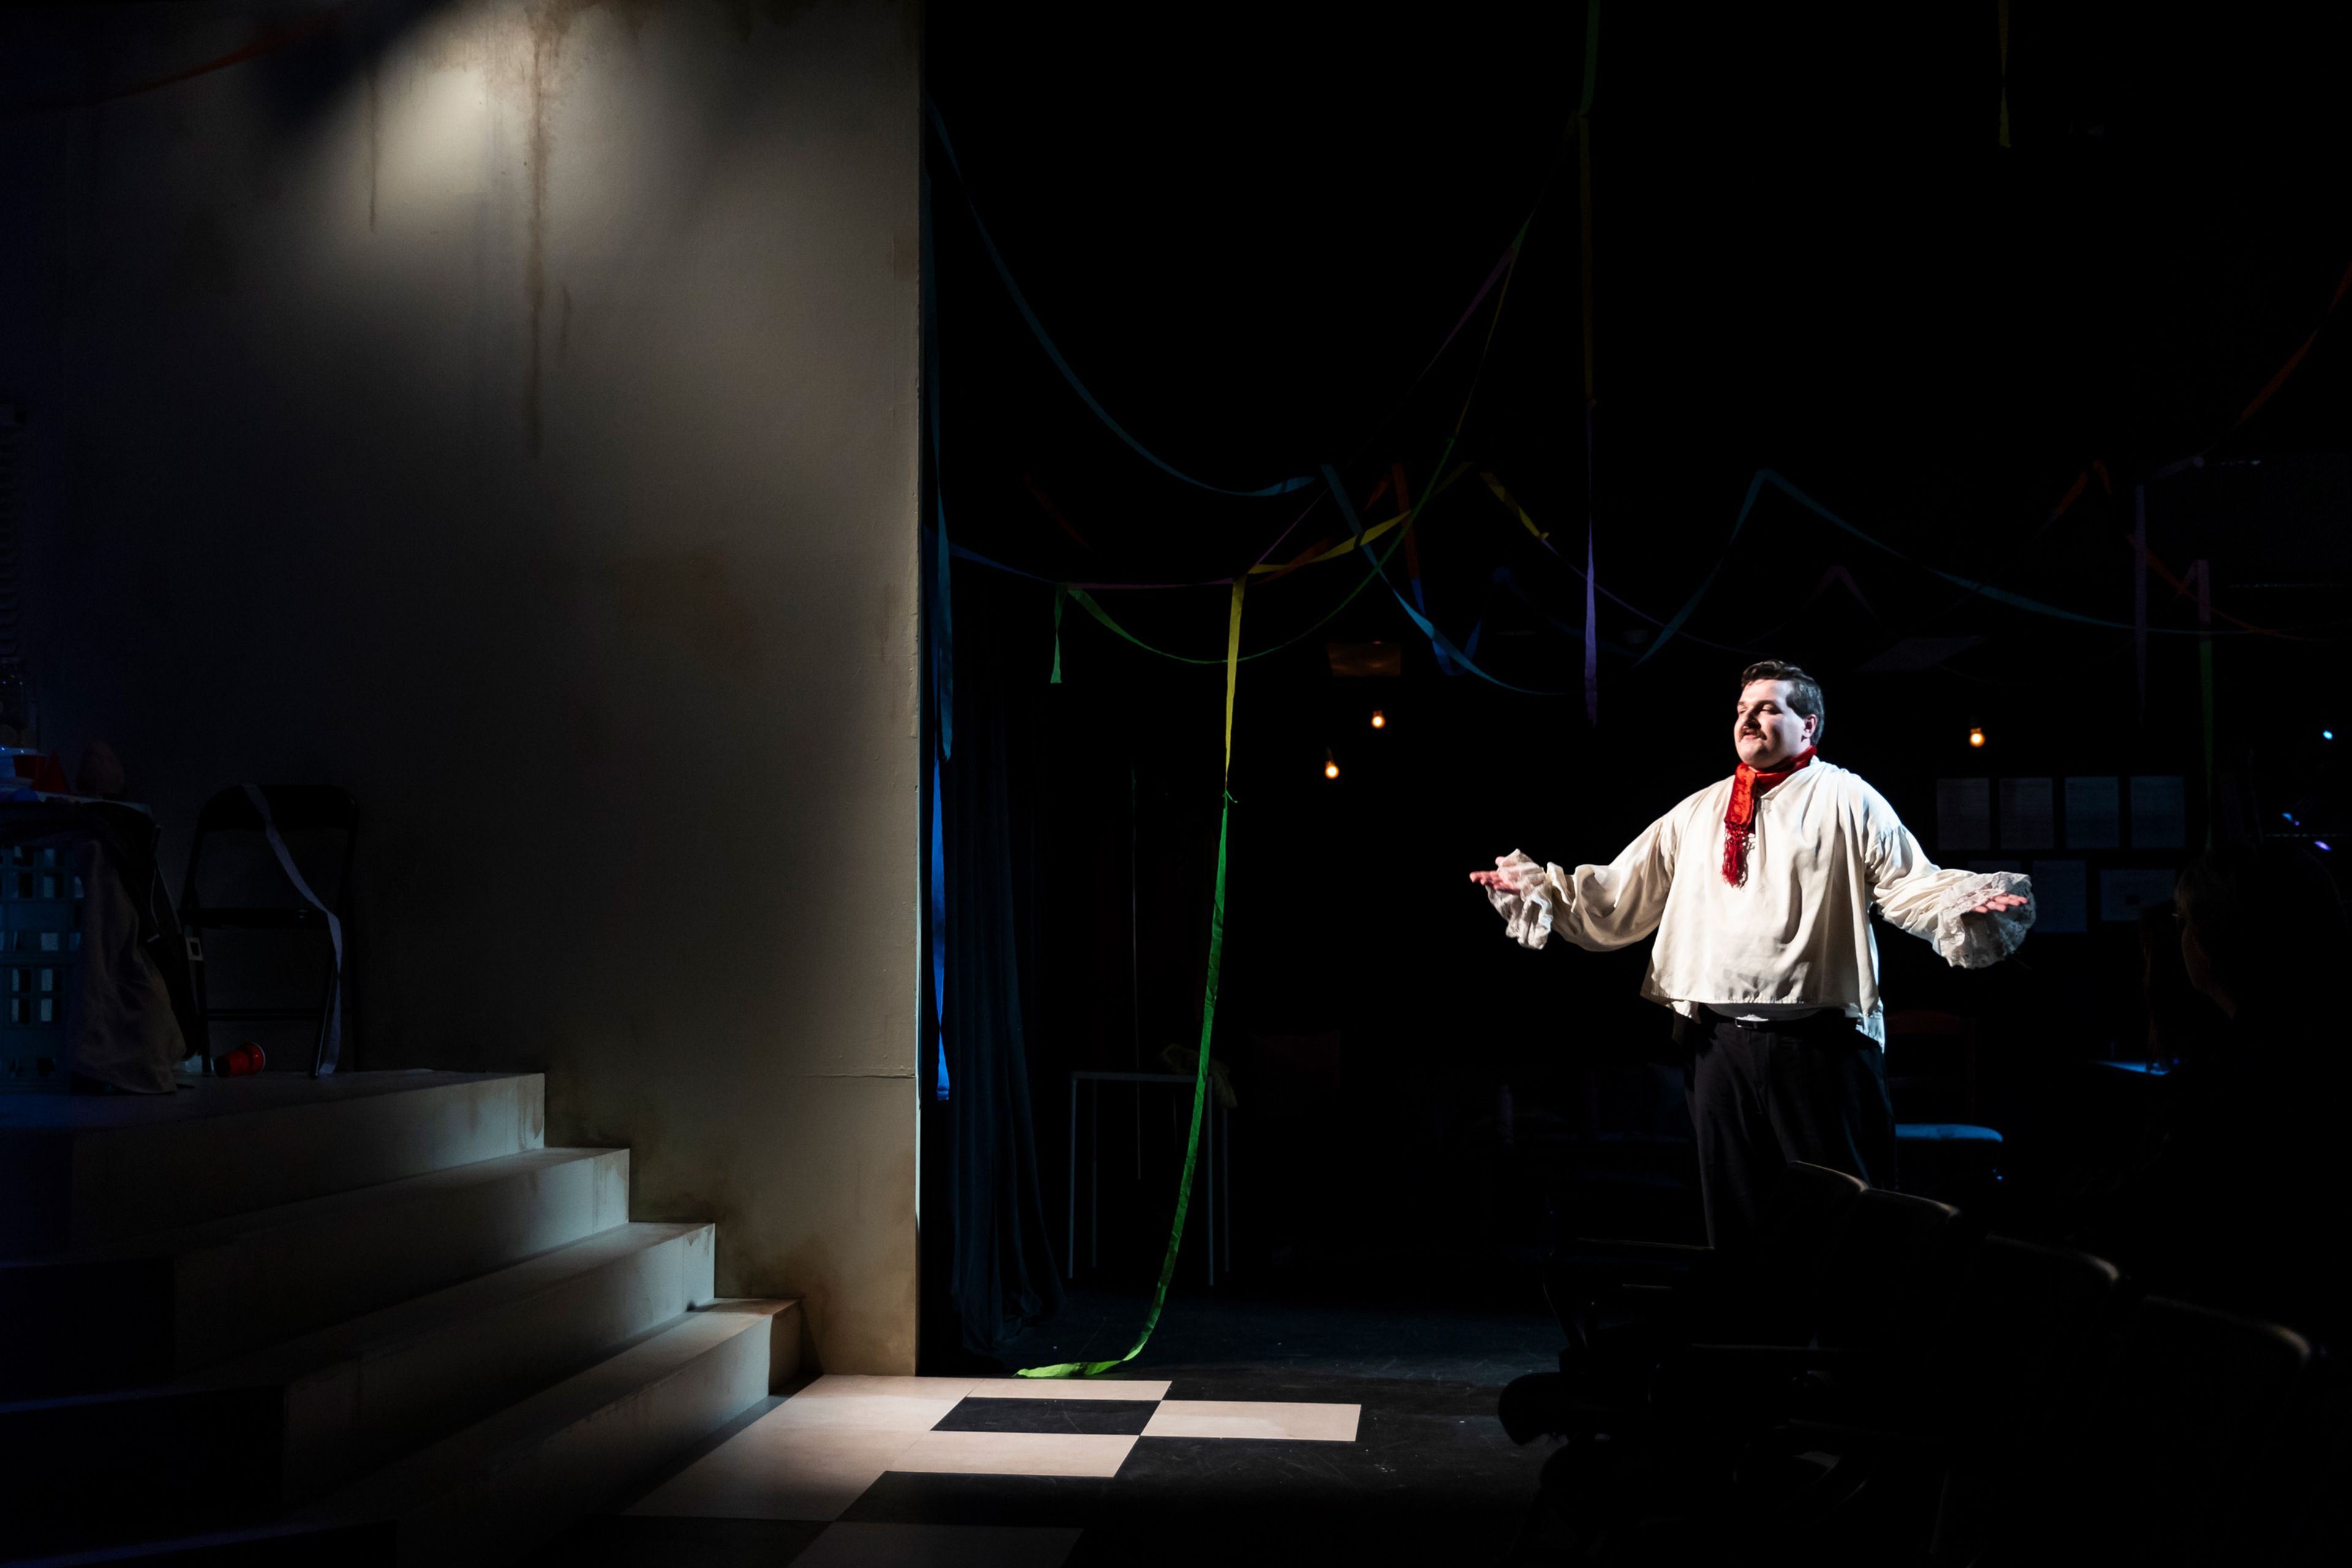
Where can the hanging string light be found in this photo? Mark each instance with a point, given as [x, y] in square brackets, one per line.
[1975, 736]
[1331, 764]
[1380, 720]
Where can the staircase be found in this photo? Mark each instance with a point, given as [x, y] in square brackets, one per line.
[368, 1319]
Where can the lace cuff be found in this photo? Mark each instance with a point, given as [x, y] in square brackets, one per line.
[1967, 940]
[1526, 905]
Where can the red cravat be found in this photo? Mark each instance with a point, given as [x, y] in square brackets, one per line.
[1739, 819]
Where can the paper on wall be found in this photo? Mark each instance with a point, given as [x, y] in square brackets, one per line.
[1963, 814]
[2094, 809]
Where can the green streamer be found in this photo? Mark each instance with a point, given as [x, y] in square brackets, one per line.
[1085, 602]
[1208, 1028]
[1191, 1142]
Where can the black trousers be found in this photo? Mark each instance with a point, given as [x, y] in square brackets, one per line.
[1761, 1096]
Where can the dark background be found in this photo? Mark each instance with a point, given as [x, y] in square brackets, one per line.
[1249, 227]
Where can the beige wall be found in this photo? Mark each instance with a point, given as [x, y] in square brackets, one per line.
[512, 415]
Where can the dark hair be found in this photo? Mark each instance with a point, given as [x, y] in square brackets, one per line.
[1804, 691]
[2268, 918]
[2182, 1023]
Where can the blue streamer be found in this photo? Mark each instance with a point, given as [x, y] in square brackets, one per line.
[1437, 639]
[1674, 623]
[940, 637]
[942, 607]
[1046, 341]
[939, 927]
[1592, 622]
[1998, 595]
[963, 552]
[1445, 665]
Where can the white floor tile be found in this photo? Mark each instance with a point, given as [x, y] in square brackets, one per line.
[1248, 1418]
[1014, 1454]
[874, 1403]
[937, 1546]
[1066, 1388]
[775, 1469]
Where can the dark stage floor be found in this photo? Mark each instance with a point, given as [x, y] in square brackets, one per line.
[1396, 1456]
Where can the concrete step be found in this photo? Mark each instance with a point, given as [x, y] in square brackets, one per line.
[315, 1412]
[385, 1384]
[179, 1301]
[517, 1480]
[87, 1172]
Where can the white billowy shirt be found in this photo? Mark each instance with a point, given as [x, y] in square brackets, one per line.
[1796, 933]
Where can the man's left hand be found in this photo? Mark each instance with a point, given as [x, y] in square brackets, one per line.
[2001, 901]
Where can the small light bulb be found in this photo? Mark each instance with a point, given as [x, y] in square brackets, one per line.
[2324, 844]
[2327, 734]
[1380, 720]
[1975, 737]
[1330, 770]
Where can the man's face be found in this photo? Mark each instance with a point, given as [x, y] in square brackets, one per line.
[1767, 732]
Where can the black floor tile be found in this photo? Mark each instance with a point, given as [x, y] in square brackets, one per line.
[1116, 1417]
[907, 1498]
[629, 1541]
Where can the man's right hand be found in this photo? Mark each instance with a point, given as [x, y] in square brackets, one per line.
[1514, 873]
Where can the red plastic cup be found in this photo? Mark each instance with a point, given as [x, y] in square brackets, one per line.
[246, 1058]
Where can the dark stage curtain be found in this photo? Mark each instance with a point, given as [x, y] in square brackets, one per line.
[990, 1267]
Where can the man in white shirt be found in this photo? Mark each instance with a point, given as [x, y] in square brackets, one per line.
[1759, 888]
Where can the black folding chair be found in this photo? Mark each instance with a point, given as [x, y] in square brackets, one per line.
[2164, 1445]
[1624, 1305]
[2171, 1446]
[1965, 1412]
[1929, 1451]
[1879, 1291]
[1888, 1272]
[280, 809]
[1807, 1207]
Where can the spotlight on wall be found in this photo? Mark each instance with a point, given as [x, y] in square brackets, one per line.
[1976, 735]
[1331, 764]
[1380, 720]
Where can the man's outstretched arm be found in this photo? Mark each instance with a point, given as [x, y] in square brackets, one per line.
[1594, 906]
[1972, 919]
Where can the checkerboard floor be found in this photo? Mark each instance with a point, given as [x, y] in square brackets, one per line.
[1358, 1437]
[816, 1454]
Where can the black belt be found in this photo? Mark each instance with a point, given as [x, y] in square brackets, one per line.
[1825, 1020]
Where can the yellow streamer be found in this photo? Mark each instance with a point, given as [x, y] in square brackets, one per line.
[1233, 669]
[1518, 511]
[1346, 546]
[1264, 568]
